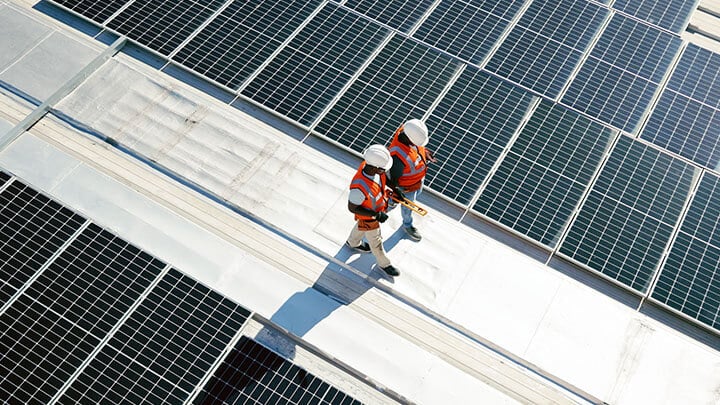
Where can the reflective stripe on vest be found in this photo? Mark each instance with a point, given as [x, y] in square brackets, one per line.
[374, 192]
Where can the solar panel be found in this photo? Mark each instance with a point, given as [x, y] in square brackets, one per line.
[242, 37]
[690, 278]
[544, 175]
[398, 14]
[618, 80]
[672, 15]
[544, 47]
[98, 11]
[164, 349]
[467, 29]
[32, 230]
[162, 25]
[469, 129]
[686, 119]
[401, 82]
[626, 222]
[316, 64]
[251, 373]
[53, 326]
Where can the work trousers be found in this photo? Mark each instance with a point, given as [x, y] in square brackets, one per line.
[374, 238]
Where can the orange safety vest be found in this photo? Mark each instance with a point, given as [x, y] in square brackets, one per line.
[413, 157]
[375, 194]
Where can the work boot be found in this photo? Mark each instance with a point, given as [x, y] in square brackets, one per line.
[413, 233]
[362, 247]
[390, 271]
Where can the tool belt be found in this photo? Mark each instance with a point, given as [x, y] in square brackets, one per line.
[368, 224]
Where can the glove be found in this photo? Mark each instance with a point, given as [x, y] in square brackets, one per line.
[398, 194]
[381, 217]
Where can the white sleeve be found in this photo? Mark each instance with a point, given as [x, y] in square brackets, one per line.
[356, 196]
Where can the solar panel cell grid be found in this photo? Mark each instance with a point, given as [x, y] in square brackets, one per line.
[672, 15]
[98, 11]
[252, 373]
[39, 351]
[400, 83]
[242, 37]
[546, 44]
[541, 180]
[398, 14]
[95, 280]
[316, 64]
[618, 80]
[697, 76]
[467, 29]
[161, 25]
[469, 129]
[628, 217]
[32, 229]
[174, 337]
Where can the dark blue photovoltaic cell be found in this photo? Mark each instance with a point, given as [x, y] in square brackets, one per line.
[544, 47]
[686, 127]
[32, 229]
[469, 129]
[690, 279]
[98, 11]
[312, 69]
[242, 37]
[398, 14]
[164, 349]
[617, 81]
[697, 76]
[627, 220]
[686, 119]
[4, 177]
[50, 330]
[39, 351]
[467, 29]
[401, 82]
[672, 15]
[163, 25]
[541, 180]
[251, 373]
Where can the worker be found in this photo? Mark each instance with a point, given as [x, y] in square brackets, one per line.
[368, 201]
[410, 158]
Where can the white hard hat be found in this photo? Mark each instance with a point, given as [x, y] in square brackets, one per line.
[417, 132]
[378, 156]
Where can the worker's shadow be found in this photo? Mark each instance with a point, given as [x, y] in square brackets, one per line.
[336, 286]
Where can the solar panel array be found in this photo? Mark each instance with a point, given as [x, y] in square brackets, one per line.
[89, 318]
[582, 126]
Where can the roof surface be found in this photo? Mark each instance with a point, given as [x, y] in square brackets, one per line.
[239, 200]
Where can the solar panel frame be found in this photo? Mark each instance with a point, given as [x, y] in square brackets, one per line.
[316, 64]
[471, 41]
[618, 80]
[163, 26]
[690, 278]
[173, 337]
[542, 179]
[469, 129]
[98, 12]
[548, 42]
[377, 103]
[686, 119]
[73, 296]
[627, 220]
[252, 372]
[672, 15]
[401, 15]
[33, 228]
[229, 56]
